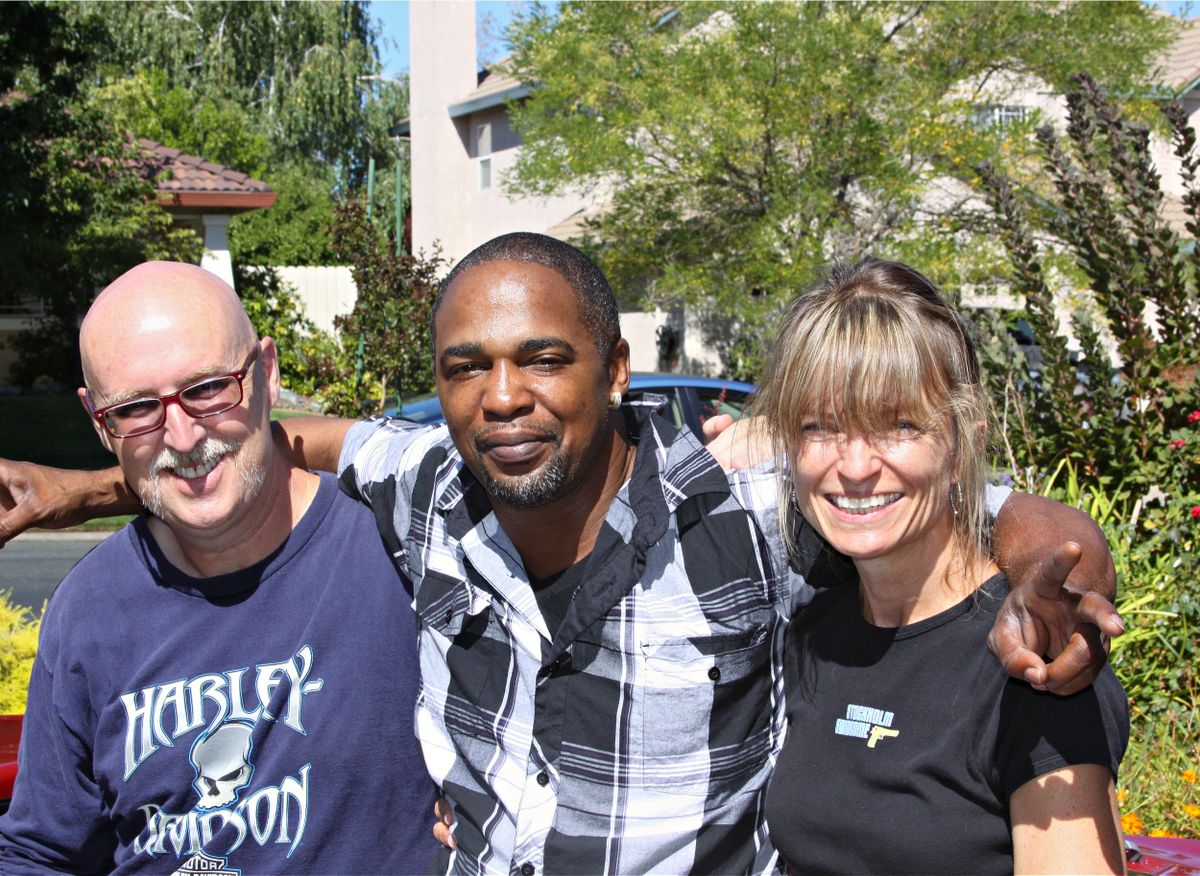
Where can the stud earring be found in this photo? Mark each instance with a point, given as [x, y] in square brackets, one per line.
[614, 401]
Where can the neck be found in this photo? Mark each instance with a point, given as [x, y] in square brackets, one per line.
[560, 533]
[909, 585]
[247, 537]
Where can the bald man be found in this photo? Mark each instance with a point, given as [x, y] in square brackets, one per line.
[227, 684]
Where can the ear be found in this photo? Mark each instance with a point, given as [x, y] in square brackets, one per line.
[618, 366]
[269, 357]
[105, 438]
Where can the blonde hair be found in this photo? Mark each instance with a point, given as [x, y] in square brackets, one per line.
[871, 344]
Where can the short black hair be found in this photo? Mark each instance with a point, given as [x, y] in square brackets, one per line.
[597, 303]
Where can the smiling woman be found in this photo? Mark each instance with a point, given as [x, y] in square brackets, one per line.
[895, 706]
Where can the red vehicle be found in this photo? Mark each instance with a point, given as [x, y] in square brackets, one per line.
[10, 737]
[1157, 856]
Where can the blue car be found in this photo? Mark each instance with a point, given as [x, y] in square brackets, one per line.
[691, 400]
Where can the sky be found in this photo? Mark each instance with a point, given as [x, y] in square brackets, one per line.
[491, 16]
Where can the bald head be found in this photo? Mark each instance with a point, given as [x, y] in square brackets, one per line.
[159, 303]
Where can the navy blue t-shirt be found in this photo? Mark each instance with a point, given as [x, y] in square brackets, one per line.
[256, 722]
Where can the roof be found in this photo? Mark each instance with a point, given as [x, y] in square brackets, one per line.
[496, 87]
[1181, 65]
[190, 182]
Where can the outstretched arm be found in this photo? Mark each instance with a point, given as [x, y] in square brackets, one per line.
[1063, 584]
[313, 443]
[38, 495]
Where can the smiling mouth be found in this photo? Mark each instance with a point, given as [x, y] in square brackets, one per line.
[863, 504]
[199, 470]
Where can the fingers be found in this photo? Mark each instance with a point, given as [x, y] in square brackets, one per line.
[13, 523]
[1017, 660]
[1097, 611]
[1078, 664]
[1053, 572]
[444, 813]
[715, 425]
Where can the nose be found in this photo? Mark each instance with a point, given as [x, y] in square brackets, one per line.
[859, 460]
[507, 393]
[181, 431]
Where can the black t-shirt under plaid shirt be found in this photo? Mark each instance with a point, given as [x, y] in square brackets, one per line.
[637, 737]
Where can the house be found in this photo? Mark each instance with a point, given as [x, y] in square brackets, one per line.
[198, 194]
[462, 144]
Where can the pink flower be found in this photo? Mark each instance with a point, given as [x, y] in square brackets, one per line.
[1179, 443]
[1194, 417]
[1196, 510]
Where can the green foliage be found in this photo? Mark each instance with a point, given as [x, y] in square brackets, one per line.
[209, 125]
[307, 75]
[18, 645]
[311, 362]
[395, 299]
[295, 230]
[744, 144]
[1154, 547]
[75, 209]
[1132, 422]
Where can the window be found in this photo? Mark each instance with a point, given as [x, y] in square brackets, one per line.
[1000, 116]
[485, 173]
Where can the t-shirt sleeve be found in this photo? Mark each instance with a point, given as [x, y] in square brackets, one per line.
[1040, 732]
[995, 497]
[58, 821]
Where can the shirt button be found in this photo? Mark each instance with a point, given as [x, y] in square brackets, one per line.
[543, 779]
[527, 869]
[714, 674]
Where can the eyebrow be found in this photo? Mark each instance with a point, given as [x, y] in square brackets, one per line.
[529, 345]
[135, 394]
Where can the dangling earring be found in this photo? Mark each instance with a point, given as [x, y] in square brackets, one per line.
[614, 401]
[956, 498]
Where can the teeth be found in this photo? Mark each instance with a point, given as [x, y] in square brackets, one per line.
[863, 504]
[200, 470]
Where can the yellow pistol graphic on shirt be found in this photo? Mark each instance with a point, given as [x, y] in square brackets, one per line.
[878, 733]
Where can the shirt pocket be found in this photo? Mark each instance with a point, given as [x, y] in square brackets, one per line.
[705, 711]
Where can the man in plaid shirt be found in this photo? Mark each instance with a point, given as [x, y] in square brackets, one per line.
[602, 608]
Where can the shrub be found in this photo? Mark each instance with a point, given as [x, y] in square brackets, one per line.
[18, 645]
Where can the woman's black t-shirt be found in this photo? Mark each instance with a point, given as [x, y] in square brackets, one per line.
[904, 745]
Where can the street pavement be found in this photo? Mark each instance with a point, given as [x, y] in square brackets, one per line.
[32, 564]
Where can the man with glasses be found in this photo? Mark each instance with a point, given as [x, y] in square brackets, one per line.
[224, 684]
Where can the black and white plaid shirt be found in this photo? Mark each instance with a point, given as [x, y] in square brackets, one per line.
[641, 736]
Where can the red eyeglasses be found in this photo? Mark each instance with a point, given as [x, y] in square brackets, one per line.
[204, 398]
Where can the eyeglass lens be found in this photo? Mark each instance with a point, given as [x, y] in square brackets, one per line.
[203, 399]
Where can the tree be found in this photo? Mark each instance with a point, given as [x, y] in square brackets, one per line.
[1136, 423]
[395, 299]
[291, 93]
[739, 145]
[307, 74]
[76, 207]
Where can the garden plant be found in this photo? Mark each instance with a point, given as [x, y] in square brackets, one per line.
[1113, 427]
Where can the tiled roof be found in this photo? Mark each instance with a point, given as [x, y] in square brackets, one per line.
[1181, 66]
[496, 80]
[192, 182]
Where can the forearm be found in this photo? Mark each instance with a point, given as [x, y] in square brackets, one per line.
[1029, 528]
[313, 443]
[36, 495]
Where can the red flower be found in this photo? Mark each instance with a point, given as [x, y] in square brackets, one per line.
[1194, 417]
[1179, 443]
[1196, 510]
